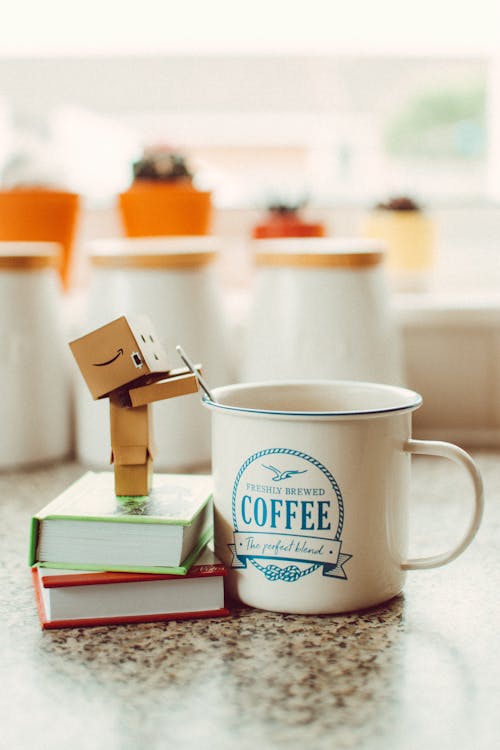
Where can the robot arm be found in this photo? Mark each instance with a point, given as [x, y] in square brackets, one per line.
[180, 382]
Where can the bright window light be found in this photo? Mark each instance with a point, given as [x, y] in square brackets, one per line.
[59, 27]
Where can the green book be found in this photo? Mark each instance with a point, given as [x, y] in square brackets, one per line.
[88, 528]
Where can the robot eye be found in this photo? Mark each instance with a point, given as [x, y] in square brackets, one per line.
[136, 359]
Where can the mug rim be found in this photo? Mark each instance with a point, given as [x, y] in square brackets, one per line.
[412, 399]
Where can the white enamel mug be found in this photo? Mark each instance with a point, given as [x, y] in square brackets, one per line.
[312, 482]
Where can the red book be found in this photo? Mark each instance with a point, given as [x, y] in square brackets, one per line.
[67, 598]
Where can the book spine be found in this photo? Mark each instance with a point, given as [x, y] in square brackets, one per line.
[34, 528]
[38, 598]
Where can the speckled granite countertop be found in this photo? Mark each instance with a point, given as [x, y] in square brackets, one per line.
[421, 672]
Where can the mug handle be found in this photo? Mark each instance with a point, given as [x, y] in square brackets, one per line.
[454, 453]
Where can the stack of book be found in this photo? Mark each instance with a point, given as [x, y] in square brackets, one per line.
[100, 559]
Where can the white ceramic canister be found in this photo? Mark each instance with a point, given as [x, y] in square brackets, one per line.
[35, 403]
[320, 309]
[174, 281]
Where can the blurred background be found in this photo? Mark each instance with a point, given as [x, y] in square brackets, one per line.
[332, 107]
[342, 103]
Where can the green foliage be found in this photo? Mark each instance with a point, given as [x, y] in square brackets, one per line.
[162, 165]
[132, 505]
[399, 203]
[446, 123]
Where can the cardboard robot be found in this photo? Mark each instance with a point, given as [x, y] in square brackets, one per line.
[124, 361]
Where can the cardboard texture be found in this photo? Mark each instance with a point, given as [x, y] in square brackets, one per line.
[124, 360]
[132, 448]
[133, 480]
[118, 353]
[181, 385]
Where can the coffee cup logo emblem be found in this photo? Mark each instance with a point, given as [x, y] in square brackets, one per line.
[288, 515]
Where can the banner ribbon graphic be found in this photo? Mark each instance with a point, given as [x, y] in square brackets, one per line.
[257, 545]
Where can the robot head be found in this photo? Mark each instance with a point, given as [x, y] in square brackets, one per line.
[118, 353]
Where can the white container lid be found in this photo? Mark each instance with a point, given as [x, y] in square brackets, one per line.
[319, 252]
[21, 255]
[153, 252]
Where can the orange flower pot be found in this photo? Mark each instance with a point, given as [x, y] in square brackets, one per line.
[287, 225]
[38, 214]
[152, 209]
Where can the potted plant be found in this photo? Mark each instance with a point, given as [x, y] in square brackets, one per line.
[162, 199]
[34, 208]
[408, 236]
[283, 219]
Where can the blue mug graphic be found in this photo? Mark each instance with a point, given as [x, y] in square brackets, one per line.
[287, 531]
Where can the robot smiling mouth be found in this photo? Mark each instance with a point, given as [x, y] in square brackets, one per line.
[109, 361]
